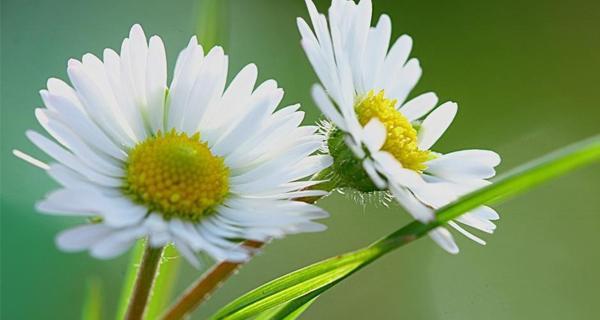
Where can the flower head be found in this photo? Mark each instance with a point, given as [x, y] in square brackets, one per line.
[198, 163]
[380, 141]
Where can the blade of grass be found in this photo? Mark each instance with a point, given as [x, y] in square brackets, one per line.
[92, 305]
[290, 310]
[311, 281]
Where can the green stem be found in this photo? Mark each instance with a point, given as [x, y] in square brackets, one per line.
[143, 284]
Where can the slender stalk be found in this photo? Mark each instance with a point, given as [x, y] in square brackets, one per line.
[143, 283]
[199, 291]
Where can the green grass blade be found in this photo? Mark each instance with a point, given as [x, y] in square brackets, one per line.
[92, 305]
[136, 257]
[307, 283]
[290, 310]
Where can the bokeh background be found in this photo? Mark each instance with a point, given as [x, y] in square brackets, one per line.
[525, 74]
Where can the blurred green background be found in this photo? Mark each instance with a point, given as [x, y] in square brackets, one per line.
[525, 74]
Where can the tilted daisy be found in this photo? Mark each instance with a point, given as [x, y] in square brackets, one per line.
[380, 141]
[198, 163]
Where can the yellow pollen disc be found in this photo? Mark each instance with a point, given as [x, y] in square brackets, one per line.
[176, 175]
[401, 140]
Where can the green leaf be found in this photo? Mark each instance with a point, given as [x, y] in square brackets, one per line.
[136, 256]
[289, 310]
[307, 283]
[164, 283]
[92, 305]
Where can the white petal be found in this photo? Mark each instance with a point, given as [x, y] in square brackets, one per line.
[248, 122]
[374, 134]
[187, 253]
[404, 81]
[208, 87]
[59, 88]
[436, 124]
[29, 159]
[477, 222]
[435, 195]
[444, 239]
[419, 106]
[355, 147]
[485, 212]
[186, 70]
[82, 237]
[411, 204]
[395, 60]
[466, 233]
[99, 103]
[375, 177]
[68, 178]
[116, 243]
[377, 45]
[327, 107]
[99, 161]
[386, 163]
[156, 83]
[121, 212]
[68, 159]
[464, 165]
[75, 118]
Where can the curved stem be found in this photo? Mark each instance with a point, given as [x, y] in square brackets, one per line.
[143, 283]
[199, 291]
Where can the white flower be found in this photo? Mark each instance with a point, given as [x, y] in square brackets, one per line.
[380, 141]
[198, 164]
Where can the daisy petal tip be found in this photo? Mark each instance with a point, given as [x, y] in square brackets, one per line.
[451, 107]
[406, 37]
[136, 31]
[73, 63]
[29, 159]
[62, 244]
[156, 40]
[384, 18]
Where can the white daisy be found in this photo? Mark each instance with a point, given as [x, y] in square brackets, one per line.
[198, 164]
[380, 141]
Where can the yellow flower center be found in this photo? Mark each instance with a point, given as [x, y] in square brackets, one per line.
[401, 140]
[176, 175]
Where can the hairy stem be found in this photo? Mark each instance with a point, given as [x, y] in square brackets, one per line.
[143, 283]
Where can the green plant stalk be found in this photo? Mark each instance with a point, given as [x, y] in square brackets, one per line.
[304, 284]
[144, 282]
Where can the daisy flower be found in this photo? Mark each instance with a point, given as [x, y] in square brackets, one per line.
[380, 141]
[198, 163]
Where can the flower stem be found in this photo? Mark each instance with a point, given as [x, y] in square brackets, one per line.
[199, 291]
[143, 283]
